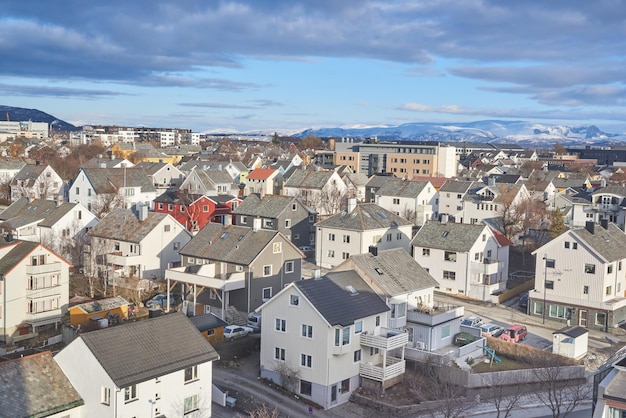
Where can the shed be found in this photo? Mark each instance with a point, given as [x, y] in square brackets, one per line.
[210, 326]
[112, 307]
[570, 342]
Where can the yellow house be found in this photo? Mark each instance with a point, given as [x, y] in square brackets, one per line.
[84, 313]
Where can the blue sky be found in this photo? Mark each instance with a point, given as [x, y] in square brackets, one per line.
[288, 65]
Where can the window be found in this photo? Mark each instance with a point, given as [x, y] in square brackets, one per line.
[130, 393]
[305, 360]
[550, 284]
[305, 388]
[585, 290]
[550, 263]
[190, 404]
[601, 318]
[294, 300]
[277, 247]
[357, 356]
[426, 252]
[160, 206]
[294, 206]
[575, 245]
[176, 245]
[449, 275]
[281, 325]
[396, 201]
[170, 207]
[388, 237]
[445, 331]
[342, 336]
[331, 253]
[267, 293]
[331, 237]
[279, 353]
[346, 238]
[609, 290]
[398, 310]
[131, 192]
[287, 223]
[489, 253]
[449, 256]
[205, 208]
[105, 396]
[267, 271]
[191, 374]
[590, 268]
[166, 228]
[191, 260]
[116, 246]
[78, 190]
[289, 267]
[609, 269]
[374, 351]
[560, 312]
[307, 331]
[567, 244]
[345, 256]
[345, 386]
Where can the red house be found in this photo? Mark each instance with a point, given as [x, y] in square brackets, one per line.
[194, 211]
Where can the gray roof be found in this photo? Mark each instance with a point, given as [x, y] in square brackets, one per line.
[151, 167]
[393, 271]
[449, 236]
[123, 225]
[309, 179]
[207, 321]
[616, 190]
[572, 331]
[271, 206]
[107, 162]
[109, 180]
[609, 243]
[459, 186]
[364, 217]
[336, 303]
[232, 244]
[11, 164]
[138, 351]
[405, 188]
[358, 179]
[29, 173]
[35, 386]
[45, 212]
[378, 181]
[19, 251]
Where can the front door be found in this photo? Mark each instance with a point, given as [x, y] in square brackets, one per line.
[582, 317]
[333, 393]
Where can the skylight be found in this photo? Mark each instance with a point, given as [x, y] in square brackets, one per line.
[351, 289]
[224, 235]
[445, 234]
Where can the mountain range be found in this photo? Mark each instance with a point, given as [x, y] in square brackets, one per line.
[523, 133]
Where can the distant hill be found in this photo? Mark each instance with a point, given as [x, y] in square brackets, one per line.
[522, 133]
[21, 114]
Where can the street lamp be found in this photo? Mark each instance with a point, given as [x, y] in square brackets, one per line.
[545, 279]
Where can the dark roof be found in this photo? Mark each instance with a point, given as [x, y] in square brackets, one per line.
[405, 188]
[364, 217]
[35, 386]
[448, 236]
[178, 197]
[109, 180]
[336, 303]
[123, 224]
[232, 244]
[271, 206]
[309, 179]
[135, 352]
[28, 173]
[458, 186]
[572, 331]
[609, 243]
[207, 321]
[19, 250]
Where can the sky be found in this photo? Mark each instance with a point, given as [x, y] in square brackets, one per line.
[289, 65]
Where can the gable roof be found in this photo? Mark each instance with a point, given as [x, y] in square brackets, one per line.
[207, 321]
[25, 211]
[232, 244]
[270, 206]
[448, 236]
[404, 188]
[309, 179]
[609, 243]
[261, 173]
[453, 186]
[123, 225]
[18, 251]
[28, 173]
[364, 217]
[110, 180]
[338, 305]
[35, 386]
[138, 351]
[393, 271]
[109, 162]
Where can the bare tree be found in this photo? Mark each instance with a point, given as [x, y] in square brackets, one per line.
[95, 268]
[289, 375]
[262, 411]
[560, 393]
[105, 203]
[332, 199]
[504, 394]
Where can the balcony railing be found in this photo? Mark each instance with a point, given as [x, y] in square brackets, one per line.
[123, 260]
[205, 276]
[435, 315]
[387, 340]
[488, 266]
[394, 367]
[44, 318]
[43, 268]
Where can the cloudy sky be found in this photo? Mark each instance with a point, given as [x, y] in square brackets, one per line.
[292, 64]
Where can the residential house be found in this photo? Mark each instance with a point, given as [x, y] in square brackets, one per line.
[62, 227]
[355, 184]
[353, 232]
[237, 268]
[580, 277]
[468, 259]
[131, 249]
[609, 387]
[82, 314]
[9, 167]
[163, 175]
[281, 213]
[452, 195]
[264, 181]
[607, 203]
[211, 327]
[495, 204]
[102, 189]
[37, 182]
[330, 333]
[35, 386]
[107, 162]
[322, 191]
[156, 367]
[210, 183]
[35, 289]
[415, 201]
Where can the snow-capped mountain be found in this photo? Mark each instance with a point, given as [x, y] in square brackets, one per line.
[523, 133]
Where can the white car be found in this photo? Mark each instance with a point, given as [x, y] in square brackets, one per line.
[235, 331]
[492, 330]
[472, 321]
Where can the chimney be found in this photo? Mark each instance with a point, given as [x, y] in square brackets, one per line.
[142, 211]
[444, 218]
[351, 204]
[317, 274]
[9, 237]
[373, 250]
[256, 224]
[491, 181]
[604, 223]
[590, 226]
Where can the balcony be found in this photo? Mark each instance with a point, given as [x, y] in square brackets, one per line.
[488, 266]
[43, 269]
[337, 350]
[44, 292]
[43, 318]
[123, 260]
[387, 340]
[204, 275]
[393, 367]
[435, 315]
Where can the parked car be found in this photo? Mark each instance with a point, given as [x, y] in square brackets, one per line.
[160, 300]
[464, 338]
[472, 321]
[307, 248]
[254, 321]
[523, 301]
[491, 330]
[515, 333]
[235, 331]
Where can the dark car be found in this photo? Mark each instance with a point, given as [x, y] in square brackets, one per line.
[160, 300]
[523, 301]
[464, 338]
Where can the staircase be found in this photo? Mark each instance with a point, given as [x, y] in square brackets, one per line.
[235, 317]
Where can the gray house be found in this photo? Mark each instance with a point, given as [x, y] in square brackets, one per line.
[285, 214]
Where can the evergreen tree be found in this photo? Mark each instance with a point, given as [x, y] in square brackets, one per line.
[557, 223]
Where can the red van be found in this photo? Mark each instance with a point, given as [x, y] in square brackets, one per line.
[515, 333]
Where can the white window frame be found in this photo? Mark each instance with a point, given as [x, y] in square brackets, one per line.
[289, 267]
[263, 293]
[267, 268]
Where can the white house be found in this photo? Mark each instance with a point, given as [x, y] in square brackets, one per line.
[330, 333]
[468, 259]
[138, 245]
[35, 288]
[353, 232]
[163, 175]
[37, 182]
[416, 200]
[210, 182]
[322, 191]
[580, 276]
[264, 181]
[157, 367]
[451, 196]
[9, 167]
